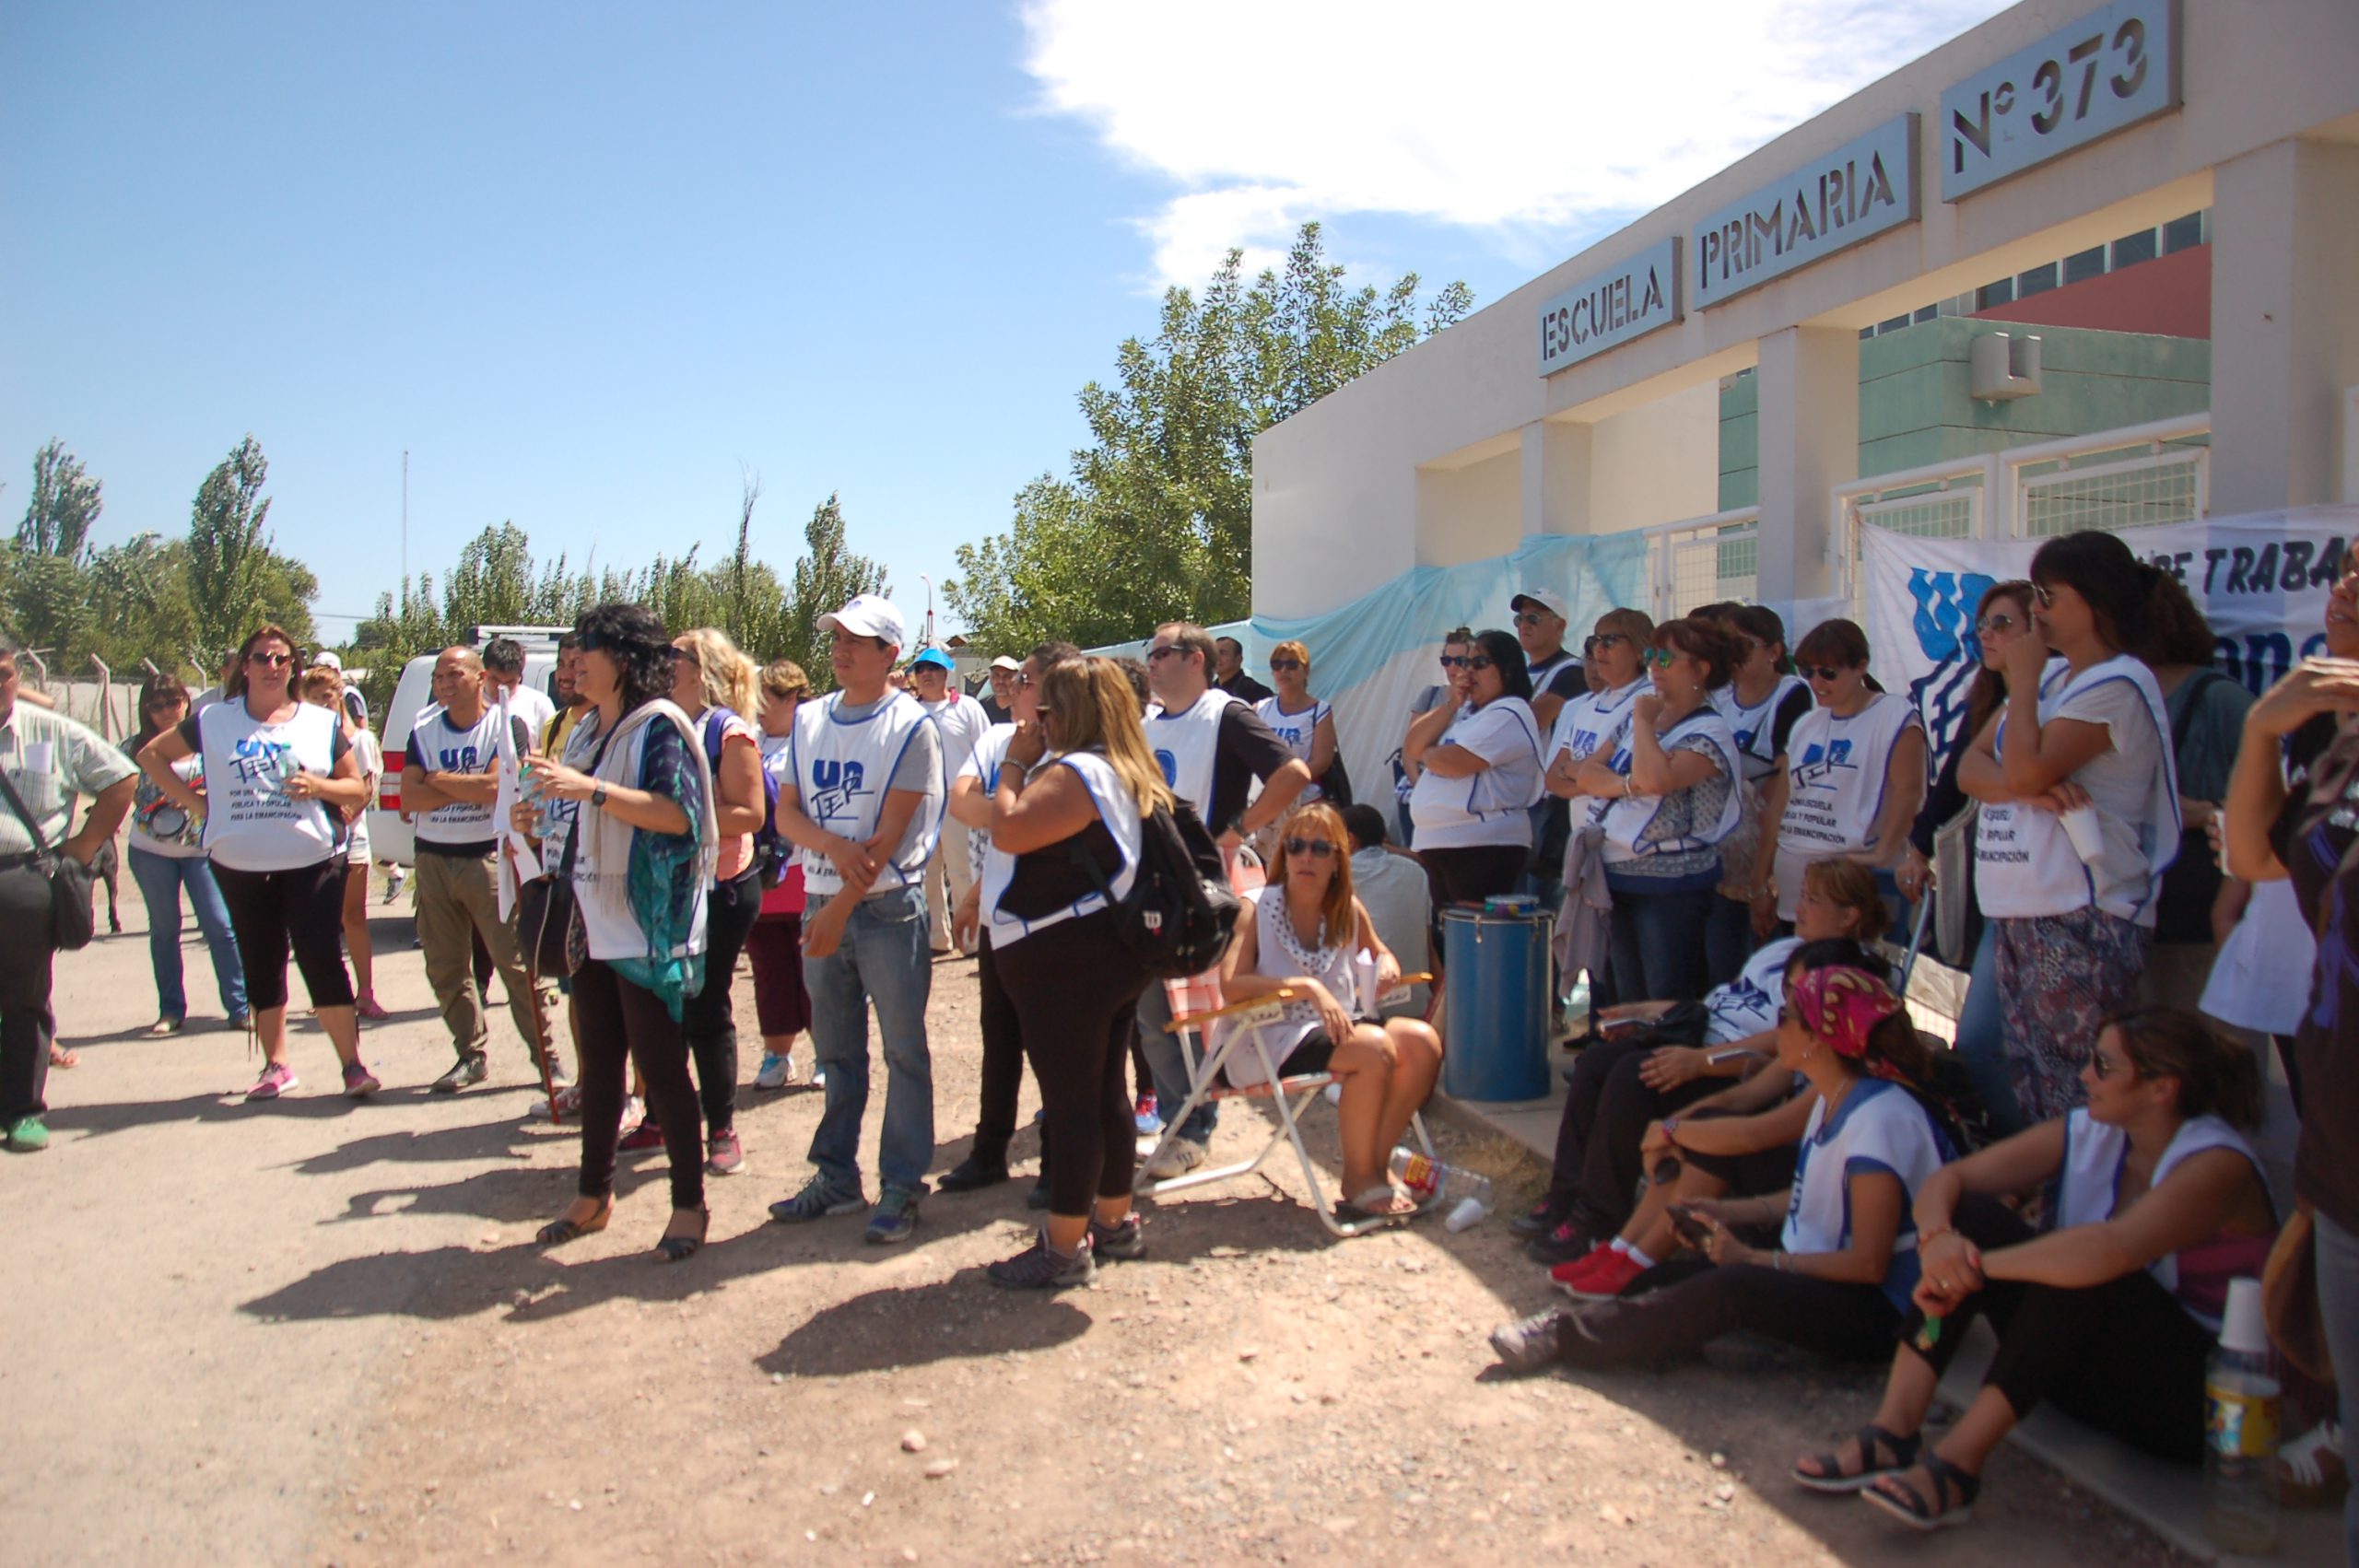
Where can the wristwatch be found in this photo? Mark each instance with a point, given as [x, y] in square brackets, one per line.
[598, 797]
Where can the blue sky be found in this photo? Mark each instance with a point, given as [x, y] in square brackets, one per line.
[584, 261]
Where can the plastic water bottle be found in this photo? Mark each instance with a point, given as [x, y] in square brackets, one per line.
[2241, 1395]
[1434, 1184]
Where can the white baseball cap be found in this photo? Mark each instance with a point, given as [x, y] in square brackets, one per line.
[868, 614]
[326, 656]
[1547, 598]
[1005, 662]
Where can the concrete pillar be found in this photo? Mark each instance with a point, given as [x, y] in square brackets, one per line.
[1810, 443]
[1556, 478]
[2284, 323]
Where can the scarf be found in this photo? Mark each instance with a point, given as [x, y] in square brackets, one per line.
[668, 872]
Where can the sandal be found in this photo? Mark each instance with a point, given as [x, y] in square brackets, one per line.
[1830, 1475]
[680, 1248]
[64, 1057]
[558, 1232]
[1909, 1504]
[1361, 1209]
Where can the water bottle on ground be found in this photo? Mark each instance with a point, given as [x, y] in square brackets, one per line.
[2240, 1400]
[1435, 1184]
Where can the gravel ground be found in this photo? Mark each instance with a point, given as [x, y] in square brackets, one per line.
[320, 1332]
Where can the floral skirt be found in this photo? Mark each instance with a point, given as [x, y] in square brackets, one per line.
[2059, 977]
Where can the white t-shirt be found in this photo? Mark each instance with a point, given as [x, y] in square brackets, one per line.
[1297, 730]
[1836, 773]
[443, 745]
[612, 932]
[991, 750]
[962, 722]
[2026, 865]
[530, 704]
[2261, 978]
[369, 757]
[1878, 1127]
[1748, 1005]
[842, 768]
[161, 827]
[1493, 807]
[251, 823]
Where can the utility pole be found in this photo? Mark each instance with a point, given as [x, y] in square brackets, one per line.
[404, 529]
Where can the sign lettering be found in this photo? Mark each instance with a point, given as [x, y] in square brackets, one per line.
[1609, 310]
[1854, 194]
[2108, 71]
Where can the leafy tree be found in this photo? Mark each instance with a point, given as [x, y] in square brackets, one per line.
[65, 503]
[226, 547]
[1155, 522]
[827, 575]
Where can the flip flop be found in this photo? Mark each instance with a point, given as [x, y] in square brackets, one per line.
[61, 1058]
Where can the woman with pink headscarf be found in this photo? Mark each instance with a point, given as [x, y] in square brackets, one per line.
[1839, 1275]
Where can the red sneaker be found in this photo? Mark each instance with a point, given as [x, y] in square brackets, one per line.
[646, 1135]
[1597, 1278]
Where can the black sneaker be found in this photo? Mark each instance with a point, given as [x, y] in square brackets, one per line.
[1039, 1196]
[1564, 1244]
[1538, 1220]
[1038, 1268]
[970, 1175]
[1529, 1346]
[470, 1069]
[1123, 1243]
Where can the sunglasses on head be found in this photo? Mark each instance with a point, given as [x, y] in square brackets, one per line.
[1286, 664]
[1317, 849]
[1820, 671]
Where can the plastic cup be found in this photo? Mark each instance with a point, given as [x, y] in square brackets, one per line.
[2087, 834]
[2245, 1324]
[1468, 1214]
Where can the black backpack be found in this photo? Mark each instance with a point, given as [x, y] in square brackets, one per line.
[1180, 912]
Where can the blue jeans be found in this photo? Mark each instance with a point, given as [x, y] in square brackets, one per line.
[1166, 1063]
[1656, 943]
[884, 959]
[160, 880]
[2337, 1261]
[1982, 1045]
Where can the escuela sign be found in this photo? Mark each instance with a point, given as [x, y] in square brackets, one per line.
[1611, 309]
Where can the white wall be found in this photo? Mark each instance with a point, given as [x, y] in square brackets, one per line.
[1658, 462]
[1469, 513]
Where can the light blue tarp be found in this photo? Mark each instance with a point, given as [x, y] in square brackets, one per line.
[1372, 657]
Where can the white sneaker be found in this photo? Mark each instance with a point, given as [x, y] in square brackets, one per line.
[634, 1112]
[776, 1072]
[1179, 1157]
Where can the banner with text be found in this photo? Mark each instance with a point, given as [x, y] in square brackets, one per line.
[2260, 579]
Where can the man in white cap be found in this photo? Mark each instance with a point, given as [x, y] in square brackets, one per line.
[861, 799]
[1000, 707]
[960, 719]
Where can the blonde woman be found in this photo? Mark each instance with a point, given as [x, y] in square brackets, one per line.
[323, 687]
[1306, 724]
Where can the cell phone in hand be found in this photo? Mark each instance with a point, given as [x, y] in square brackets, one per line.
[1691, 1227]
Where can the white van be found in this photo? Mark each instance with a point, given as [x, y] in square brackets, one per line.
[388, 830]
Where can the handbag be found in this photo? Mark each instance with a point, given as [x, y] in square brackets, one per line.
[72, 922]
[1953, 888]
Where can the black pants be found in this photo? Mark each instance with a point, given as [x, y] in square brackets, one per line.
[2123, 1356]
[1698, 1302]
[623, 1021]
[1595, 1182]
[1075, 990]
[1746, 1176]
[274, 910]
[1003, 1070]
[1472, 875]
[707, 1018]
[26, 1025]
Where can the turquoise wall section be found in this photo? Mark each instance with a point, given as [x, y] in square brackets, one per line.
[1915, 407]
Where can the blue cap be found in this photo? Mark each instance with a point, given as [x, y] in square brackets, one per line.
[935, 657]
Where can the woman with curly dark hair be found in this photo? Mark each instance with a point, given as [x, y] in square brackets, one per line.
[643, 847]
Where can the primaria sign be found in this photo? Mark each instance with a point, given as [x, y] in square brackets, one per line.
[2105, 73]
[1612, 307]
[1855, 192]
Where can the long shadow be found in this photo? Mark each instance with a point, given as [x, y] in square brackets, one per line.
[959, 1318]
[221, 1106]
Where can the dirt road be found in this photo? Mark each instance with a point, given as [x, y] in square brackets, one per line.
[319, 1331]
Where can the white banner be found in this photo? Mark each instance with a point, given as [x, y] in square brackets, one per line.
[2260, 579]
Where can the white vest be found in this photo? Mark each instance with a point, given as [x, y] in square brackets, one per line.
[1298, 731]
[1627, 820]
[991, 750]
[842, 769]
[2089, 1186]
[1591, 723]
[1755, 727]
[1836, 771]
[448, 748]
[250, 822]
[1748, 1005]
[1117, 808]
[1877, 1121]
[1185, 745]
[2025, 863]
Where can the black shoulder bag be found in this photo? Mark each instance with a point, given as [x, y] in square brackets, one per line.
[71, 922]
[2184, 911]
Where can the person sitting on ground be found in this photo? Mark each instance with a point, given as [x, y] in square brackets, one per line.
[1839, 1277]
[1304, 933]
[2158, 1201]
[1391, 885]
[1660, 1056]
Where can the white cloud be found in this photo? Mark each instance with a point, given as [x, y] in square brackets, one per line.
[1548, 120]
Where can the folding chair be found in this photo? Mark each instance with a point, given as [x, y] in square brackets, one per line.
[1195, 1004]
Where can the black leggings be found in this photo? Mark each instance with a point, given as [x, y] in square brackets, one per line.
[1746, 1176]
[1002, 1065]
[1595, 1182]
[707, 1018]
[2123, 1356]
[1472, 874]
[1698, 1302]
[618, 1020]
[1075, 990]
[272, 910]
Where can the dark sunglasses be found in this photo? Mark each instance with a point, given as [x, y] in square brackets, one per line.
[1155, 653]
[2000, 622]
[1820, 671]
[1317, 849]
[2047, 596]
[685, 656]
[2102, 1067]
[1660, 658]
[1479, 662]
[1531, 617]
[1604, 640]
[1287, 664]
[274, 660]
[1453, 661]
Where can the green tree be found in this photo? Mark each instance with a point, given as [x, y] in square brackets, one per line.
[827, 574]
[1155, 522]
[45, 593]
[64, 505]
[226, 546]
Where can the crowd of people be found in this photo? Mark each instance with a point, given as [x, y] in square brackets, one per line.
[1734, 835]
